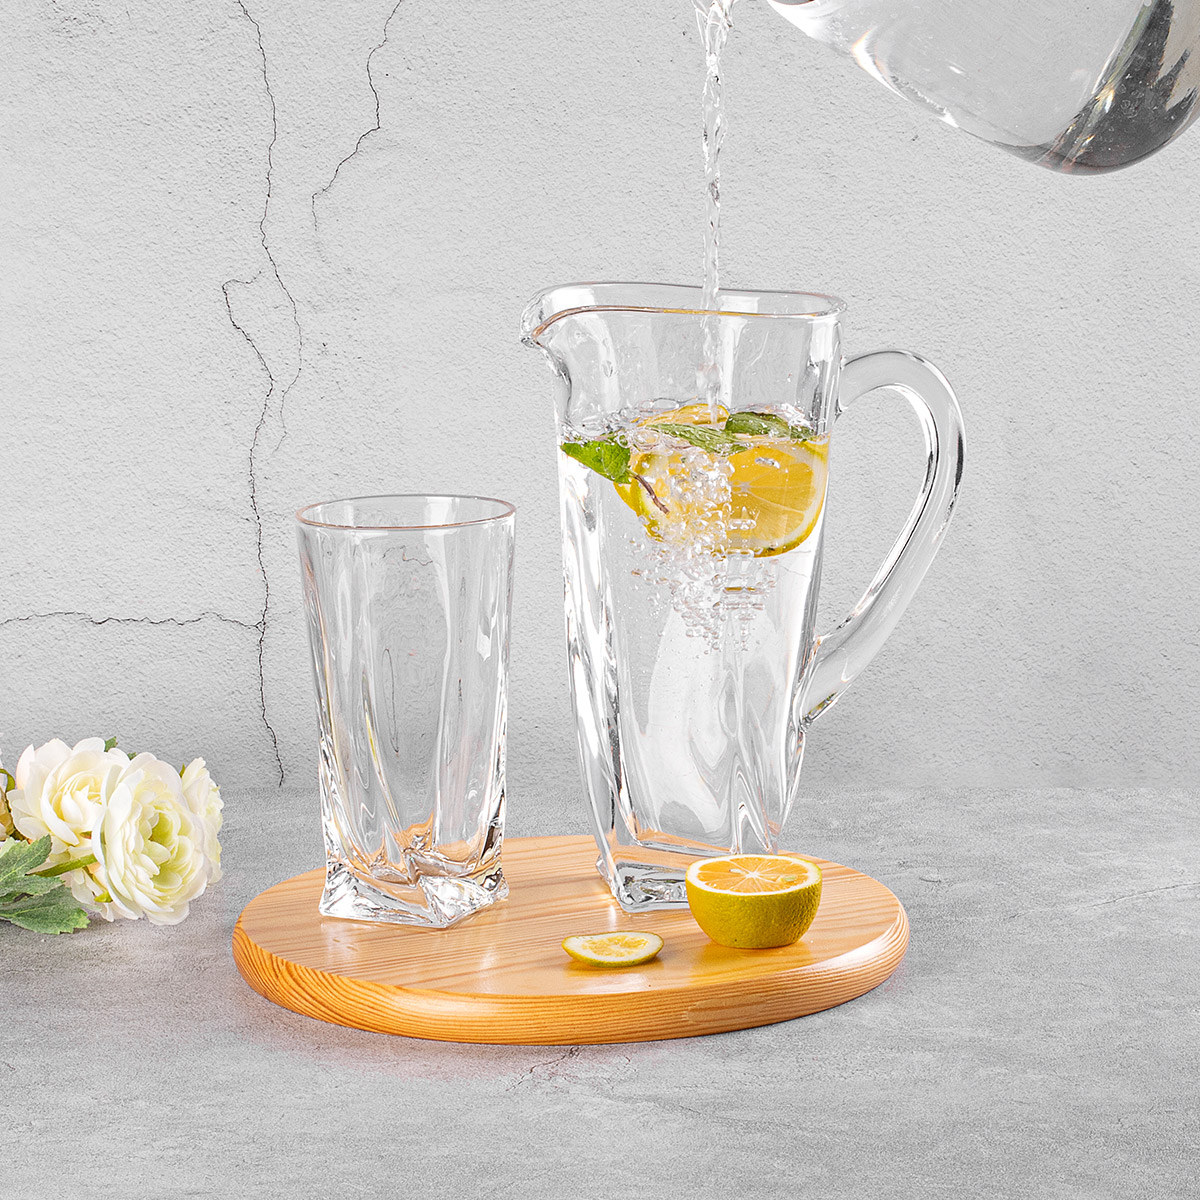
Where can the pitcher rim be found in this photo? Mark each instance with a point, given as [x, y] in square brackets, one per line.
[829, 306]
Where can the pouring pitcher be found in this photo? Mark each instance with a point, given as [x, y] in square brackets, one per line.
[1077, 87]
[694, 453]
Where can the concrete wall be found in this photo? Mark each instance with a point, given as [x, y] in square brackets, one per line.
[261, 252]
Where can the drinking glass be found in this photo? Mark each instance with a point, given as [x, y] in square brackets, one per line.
[694, 450]
[407, 600]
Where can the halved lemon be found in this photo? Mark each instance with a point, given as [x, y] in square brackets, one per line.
[754, 901]
[621, 949]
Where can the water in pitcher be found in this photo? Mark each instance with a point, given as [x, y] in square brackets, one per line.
[691, 567]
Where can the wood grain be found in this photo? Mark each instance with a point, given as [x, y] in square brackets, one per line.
[502, 977]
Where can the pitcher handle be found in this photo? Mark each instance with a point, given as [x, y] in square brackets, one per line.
[842, 653]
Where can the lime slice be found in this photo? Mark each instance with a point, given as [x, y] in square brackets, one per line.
[622, 949]
[753, 901]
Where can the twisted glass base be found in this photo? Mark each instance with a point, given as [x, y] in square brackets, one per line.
[434, 901]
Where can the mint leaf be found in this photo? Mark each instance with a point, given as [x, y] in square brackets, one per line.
[715, 441]
[19, 858]
[606, 456]
[754, 424]
[109, 743]
[52, 912]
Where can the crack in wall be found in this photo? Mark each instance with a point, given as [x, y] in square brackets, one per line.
[261, 624]
[362, 137]
[74, 614]
[273, 388]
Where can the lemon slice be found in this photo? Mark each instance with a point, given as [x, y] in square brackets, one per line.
[763, 499]
[778, 491]
[623, 949]
[690, 414]
[754, 900]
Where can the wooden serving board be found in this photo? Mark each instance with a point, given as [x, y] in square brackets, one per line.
[502, 976]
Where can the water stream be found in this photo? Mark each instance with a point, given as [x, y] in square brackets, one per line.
[713, 22]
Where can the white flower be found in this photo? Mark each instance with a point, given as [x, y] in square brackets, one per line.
[152, 834]
[204, 799]
[59, 792]
[149, 845]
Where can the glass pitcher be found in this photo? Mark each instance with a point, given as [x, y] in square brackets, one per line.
[694, 455]
[1072, 86]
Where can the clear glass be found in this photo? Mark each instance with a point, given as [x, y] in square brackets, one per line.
[1084, 86]
[407, 600]
[692, 569]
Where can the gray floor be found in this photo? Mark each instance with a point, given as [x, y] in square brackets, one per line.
[1040, 1040]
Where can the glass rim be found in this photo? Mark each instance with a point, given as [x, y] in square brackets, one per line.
[506, 510]
[537, 321]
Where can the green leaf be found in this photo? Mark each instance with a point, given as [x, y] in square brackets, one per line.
[715, 441]
[109, 743]
[9, 781]
[606, 456]
[753, 424]
[30, 885]
[19, 858]
[18, 904]
[53, 912]
[35, 901]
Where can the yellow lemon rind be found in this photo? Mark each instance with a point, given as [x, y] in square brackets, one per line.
[575, 947]
[755, 920]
